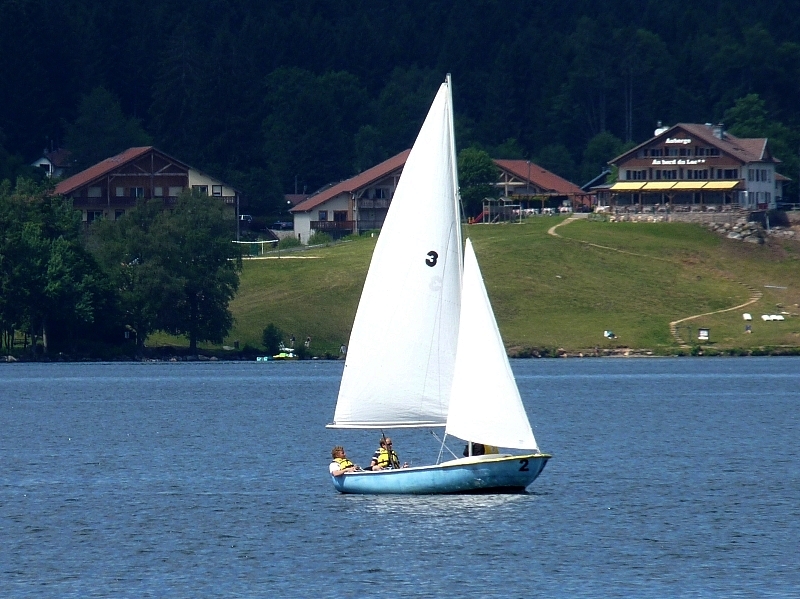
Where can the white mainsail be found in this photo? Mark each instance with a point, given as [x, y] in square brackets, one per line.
[400, 359]
[485, 405]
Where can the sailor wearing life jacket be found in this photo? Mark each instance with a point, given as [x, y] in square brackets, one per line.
[384, 457]
[340, 464]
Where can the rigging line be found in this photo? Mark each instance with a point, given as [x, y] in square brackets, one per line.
[443, 447]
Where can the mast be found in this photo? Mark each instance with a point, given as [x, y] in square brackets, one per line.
[454, 170]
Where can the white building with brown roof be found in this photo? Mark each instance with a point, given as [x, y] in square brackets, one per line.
[114, 185]
[694, 166]
[54, 163]
[353, 206]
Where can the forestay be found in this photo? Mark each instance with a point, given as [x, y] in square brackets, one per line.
[400, 360]
[485, 405]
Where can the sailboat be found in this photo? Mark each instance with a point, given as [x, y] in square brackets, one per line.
[425, 350]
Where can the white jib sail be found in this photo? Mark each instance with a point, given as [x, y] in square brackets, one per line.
[485, 405]
[399, 366]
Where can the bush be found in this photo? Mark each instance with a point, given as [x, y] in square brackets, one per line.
[289, 242]
[302, 352]
[319, 238]
[272, 339]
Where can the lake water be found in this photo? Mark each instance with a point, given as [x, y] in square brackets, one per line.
[669, 478]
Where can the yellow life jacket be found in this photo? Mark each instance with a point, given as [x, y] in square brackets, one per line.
[387, 461]
[343, 463]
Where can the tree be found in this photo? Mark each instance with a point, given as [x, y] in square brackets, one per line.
[101, 130]
[600, 149]
[127, 250]
[477, 175]
[557, 159]
[176, 271]
[204, 264]
[749, 117]
[51, 286]
[272, 339]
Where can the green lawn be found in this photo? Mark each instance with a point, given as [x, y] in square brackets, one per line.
[552, 292]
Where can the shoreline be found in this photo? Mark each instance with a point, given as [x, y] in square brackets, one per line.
[519, 354]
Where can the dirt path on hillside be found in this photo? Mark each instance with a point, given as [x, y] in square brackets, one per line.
[755, 295]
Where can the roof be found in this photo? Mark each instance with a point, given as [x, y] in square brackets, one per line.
[104, 167]
[369, 176]
[745, 149]
[540, 177]
[295, 198]
[59, 157]
[100, 169]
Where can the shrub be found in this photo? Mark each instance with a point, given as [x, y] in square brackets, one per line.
[272, 338]
[320, 238]
[288, 242]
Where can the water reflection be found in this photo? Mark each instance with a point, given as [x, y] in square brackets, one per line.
[437, 505]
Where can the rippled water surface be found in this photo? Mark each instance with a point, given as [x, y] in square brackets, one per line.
[670, 478]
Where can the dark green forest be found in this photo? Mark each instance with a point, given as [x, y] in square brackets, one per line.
[283, 96]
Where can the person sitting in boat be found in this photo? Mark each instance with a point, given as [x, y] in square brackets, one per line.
[385, 457]
[479, 449]
[340, 464]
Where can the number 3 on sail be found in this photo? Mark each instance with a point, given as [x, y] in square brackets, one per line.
[419, 368]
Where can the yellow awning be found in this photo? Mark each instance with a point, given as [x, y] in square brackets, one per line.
[720, 185]
[627, 186]
[658, 185]
[689, 185]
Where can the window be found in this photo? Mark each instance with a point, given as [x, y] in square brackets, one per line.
[158, 192]
[731, 173]
[174, 192]
[339, 216]
[118, 214]
[323, 215]
[93, 215]
[120, 192]
[137, 192]
[749, 174]
[216, 191]
[202, 189]
[656, 152]
[94, 192]
[763, 174]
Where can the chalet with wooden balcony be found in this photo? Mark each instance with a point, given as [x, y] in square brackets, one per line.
[697, 167]
[353, 206]
[532, 186]
[111, 187]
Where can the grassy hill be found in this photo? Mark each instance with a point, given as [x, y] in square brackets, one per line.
[556, 292]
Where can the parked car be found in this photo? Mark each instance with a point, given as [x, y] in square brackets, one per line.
[282, 226]
[247, 218]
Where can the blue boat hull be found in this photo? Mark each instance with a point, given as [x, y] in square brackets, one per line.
[478, 474]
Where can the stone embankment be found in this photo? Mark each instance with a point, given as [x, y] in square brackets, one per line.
[752, 232]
